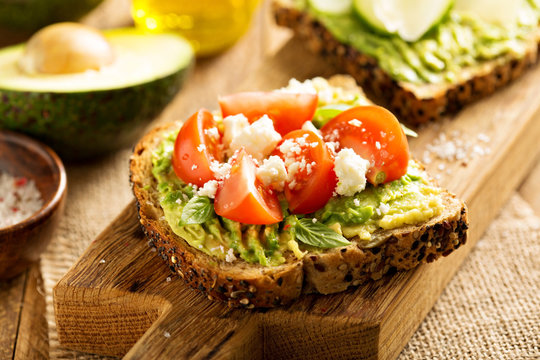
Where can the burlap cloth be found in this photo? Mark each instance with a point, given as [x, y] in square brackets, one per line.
[490, 310]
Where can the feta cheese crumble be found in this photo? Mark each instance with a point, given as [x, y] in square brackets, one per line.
[327, 94]
[258, 139]
[351, 171]
[229, 256]
[233, 126]
[212, 132]
[308, 126]
[220, 170]
[273, 172]
[355, 122]
[295, 163]
[209, 189]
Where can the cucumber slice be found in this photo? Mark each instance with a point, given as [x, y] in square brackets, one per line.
[409, 19]
[331, 7]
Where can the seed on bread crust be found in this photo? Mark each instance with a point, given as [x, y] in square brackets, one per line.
[409, 101]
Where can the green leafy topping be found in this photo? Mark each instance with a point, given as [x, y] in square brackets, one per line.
[198, 210]
[318, 235]
[326, 113]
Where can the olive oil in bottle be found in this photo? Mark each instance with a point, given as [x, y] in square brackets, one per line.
[210, 25]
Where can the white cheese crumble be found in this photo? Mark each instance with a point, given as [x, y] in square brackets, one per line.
[308, 126]
[209, 189]
[383, 208]
[212, 132]
[294, 162]
[327, 94]
[355, 122]
[273, 173]
[220, 170]
[258, 139]
[351, 171]
[232, 127]
[229, 256]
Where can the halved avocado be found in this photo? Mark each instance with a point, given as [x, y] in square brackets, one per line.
[89, 113]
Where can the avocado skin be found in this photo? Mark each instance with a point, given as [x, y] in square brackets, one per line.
[31, 15]
[82, 125]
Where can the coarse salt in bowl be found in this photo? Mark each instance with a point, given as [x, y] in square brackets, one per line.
[19, 199]
[32, 192]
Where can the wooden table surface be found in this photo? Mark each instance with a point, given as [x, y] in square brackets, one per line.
[23, 328]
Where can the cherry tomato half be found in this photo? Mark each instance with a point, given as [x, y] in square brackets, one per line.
[375, 134]
[288, 110]
[197, 145]
[312, 164]
[243, 198]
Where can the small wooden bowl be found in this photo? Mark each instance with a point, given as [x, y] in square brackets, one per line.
[22, 243]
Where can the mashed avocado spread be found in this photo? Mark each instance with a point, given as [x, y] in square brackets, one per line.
[409, 200]
[459, 41]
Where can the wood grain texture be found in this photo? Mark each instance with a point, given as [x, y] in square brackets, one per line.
[23, 328]
[119, 291]
[11, 295]
[530, 188]
[33, 337]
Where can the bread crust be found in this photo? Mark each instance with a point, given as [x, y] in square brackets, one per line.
[241, 284]
[413, 103]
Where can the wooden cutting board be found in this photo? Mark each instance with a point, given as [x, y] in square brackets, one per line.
[121, 299]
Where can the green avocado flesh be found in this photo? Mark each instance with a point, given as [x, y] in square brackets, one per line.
[409, 200]
[440, 56]
[82, 115]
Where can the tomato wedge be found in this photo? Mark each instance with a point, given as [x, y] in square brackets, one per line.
[375, 134]
[288, 110]
[196, 146]
[243, 198]
[311, 165]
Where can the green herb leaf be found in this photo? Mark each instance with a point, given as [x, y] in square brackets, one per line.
[318, 235]
[326, 113]
[198, 210]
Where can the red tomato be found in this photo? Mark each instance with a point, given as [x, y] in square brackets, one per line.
[375, 134]
[196, 147]
[314, 181]
[243, 198]
[288, 110]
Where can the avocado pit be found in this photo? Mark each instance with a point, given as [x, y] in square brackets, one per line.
[66, 48]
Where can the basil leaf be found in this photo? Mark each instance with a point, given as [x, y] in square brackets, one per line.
[326, 113]
[198, 210]
[318, 235]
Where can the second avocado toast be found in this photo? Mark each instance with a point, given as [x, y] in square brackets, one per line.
[459, 60]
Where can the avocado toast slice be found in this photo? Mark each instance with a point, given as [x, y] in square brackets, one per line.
[250, 283]
[407, 76]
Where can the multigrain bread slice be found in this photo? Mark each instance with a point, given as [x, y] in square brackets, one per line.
[238, 283]
[414, 103]
[241, 284]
